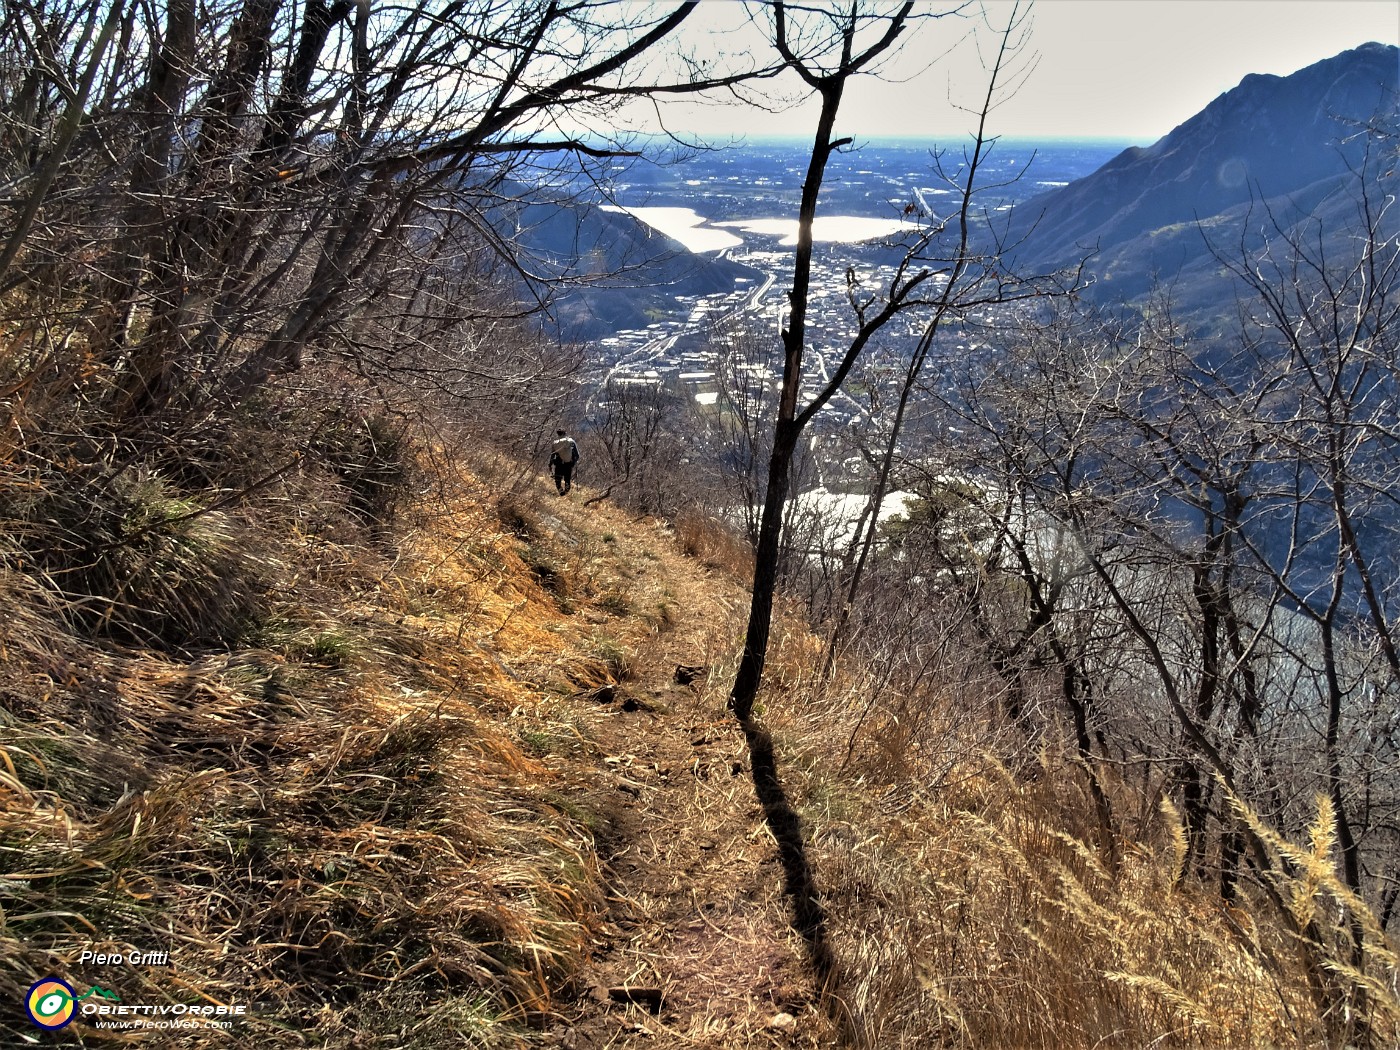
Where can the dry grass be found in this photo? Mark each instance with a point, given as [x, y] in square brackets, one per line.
[390, 807]
[714, 544]
[377, 813]
[972, 907]
[329, 821]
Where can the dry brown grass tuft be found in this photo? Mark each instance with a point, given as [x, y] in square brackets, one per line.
[713, 544]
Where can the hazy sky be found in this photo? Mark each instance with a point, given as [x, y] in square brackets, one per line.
[1125, 69]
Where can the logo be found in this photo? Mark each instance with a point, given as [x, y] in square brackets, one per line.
[50, 1002]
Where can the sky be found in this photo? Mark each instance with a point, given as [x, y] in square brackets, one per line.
[1128, 70]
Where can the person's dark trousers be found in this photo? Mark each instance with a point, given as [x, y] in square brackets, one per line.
[563, 477]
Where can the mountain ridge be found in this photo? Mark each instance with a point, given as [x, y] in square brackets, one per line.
[1287, 143]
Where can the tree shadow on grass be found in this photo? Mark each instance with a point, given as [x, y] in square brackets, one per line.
[799, 882]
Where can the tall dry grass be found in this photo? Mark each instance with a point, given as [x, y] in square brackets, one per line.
[971, 905]
[255, 705]
[258, 734]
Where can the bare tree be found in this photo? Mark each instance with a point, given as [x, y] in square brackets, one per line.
[1228, 512]
[738, 429]
[217, 190]
[635, 432]
[1331, 313]
[827, 48]
[972, 281]
[945, 272]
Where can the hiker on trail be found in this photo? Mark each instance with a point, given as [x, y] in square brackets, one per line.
[562, 460]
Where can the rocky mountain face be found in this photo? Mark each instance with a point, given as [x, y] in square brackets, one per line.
[1282, 149]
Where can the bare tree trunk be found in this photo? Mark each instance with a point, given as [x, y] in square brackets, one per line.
[950, 297]
[789, 424]
[67, 131]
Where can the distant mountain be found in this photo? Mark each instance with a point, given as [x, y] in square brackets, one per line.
[1286, 142]
[611, 271]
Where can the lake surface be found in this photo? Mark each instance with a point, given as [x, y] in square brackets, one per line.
[745, 196]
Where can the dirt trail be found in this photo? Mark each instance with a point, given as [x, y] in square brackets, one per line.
[697, 916]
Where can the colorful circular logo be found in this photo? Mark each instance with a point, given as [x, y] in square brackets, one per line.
[50, 1003]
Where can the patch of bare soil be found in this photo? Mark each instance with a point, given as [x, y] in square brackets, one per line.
[698, 950]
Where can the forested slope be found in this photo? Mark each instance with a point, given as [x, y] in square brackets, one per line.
[1257, 165]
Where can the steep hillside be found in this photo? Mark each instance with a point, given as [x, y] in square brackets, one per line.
[1286, 144]
[466, 778]
[447, 791]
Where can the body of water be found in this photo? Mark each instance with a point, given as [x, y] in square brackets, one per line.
[732, 198]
